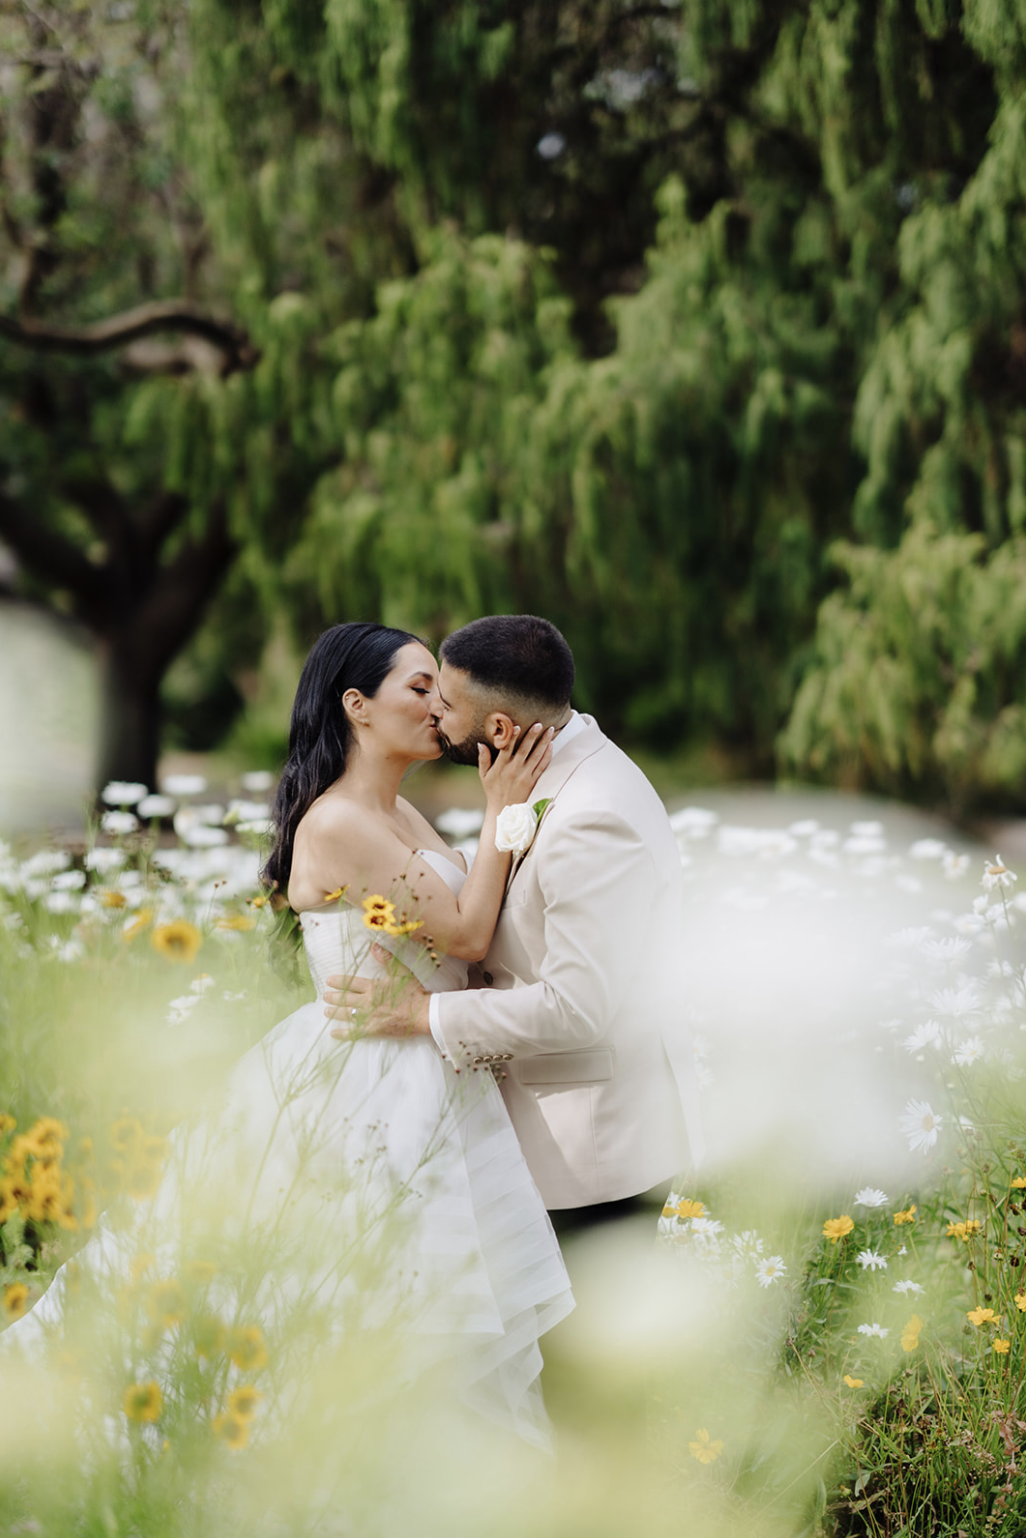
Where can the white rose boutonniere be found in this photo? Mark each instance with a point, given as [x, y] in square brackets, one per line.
[516, 826]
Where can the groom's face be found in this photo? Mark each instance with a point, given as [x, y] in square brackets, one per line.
[462, 721]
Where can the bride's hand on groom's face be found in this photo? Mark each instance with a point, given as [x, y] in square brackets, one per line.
[511, 776]
[363, 1007]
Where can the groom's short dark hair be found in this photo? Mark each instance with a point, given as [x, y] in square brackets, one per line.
[517, 655]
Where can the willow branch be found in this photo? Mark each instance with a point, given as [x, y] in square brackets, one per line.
[144, 320]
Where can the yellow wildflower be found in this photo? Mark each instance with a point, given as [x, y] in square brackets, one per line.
[112, 898]
[232, 1429]
[1002, 1347]
[246, 1348]
[978, 1316]
[329, 897]
[178, 941]
[704, 1448]
[405, 927]
[963, 1231]
[910, 1334]
[15, 1301]
[908, 1216]
[1019, 1183]
[242, 1401]
[7, 1123]
[378, 913]
[143, 1402]
[836, 1228]
[141, 922]
[686, 1208]
[48, 1135]
[165, 1302]
[1020, 1302]
[853, 1382]
[239, 922]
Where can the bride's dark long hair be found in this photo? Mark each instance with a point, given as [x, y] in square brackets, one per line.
[355, 656]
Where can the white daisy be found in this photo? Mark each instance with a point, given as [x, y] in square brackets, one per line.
[874, 1329]
[956, 1003]
[926, 1035]
[907, 1287]
[967, 1052]
[948, 950]
[869, 1196]
[871, 1260]
[770, 1271]
[116, 823]
[997, 874]
[955, 865]
[920, 1125]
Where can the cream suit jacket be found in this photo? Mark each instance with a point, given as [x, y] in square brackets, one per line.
[583, 1008]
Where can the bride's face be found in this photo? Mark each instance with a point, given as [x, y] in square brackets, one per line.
[401, 717]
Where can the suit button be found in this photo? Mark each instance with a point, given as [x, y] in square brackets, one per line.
[478, 1061]
[488, 979]
[507, 1057]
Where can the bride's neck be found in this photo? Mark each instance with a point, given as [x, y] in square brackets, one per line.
[373, 779]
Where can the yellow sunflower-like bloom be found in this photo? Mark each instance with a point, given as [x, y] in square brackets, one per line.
[853, 1382]
[1020, 1302]
[243, 1401]
[403, 927]
[232, 1429]
[910, 1334]
[138, 926]
[963, 1231]
[143, 1402]
[704, 1448]
[178, 941]
[836, 1228]
[378, 913]
[329, 897]
[908, 1216]
[689, 1209]
[15, 1300]
[1002, 1347]
[237, 922]
[246, 1348]
[1019, 1183]
[980, 1316]
[112, 898]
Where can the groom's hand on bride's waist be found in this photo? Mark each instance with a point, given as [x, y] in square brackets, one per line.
[381, 1007]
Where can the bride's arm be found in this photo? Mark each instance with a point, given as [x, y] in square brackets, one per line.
[364, 857]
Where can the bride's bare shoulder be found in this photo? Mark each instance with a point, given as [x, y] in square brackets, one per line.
[334, 817]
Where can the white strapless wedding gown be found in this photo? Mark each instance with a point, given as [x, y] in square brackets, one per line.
[407, 1173]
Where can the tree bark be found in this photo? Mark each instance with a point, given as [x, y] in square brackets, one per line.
[130, 724]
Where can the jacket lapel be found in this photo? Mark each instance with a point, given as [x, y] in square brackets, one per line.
[558, 773]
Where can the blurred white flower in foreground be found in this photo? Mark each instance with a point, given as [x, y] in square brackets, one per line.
[257, 782]
[116, 823]
[156, 806]
[928, 849]
[871, 1260]
[926, 1035]
[879, 1330]
[869, 1196]
[907, 1287]
[183, 785]
[920, 1125]
[123, 792]
[967, 1052]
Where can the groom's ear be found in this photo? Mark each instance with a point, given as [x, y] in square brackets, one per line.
[499, 729]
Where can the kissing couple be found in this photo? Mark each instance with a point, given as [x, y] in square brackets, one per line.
[505, 1039]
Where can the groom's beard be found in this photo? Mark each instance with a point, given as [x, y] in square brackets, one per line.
[464, 752]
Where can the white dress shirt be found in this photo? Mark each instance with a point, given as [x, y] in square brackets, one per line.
[566, 734]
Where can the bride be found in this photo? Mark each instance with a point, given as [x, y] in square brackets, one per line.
[392, 1184]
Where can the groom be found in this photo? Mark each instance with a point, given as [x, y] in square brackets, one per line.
[582, 1008]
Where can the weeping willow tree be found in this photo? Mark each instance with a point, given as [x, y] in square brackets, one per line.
[628, 314]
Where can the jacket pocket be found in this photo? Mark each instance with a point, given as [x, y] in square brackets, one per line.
[567, 1067]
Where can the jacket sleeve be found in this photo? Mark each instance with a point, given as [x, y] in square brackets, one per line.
[599, 888]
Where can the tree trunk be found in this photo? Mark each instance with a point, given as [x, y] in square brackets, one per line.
[130, 725]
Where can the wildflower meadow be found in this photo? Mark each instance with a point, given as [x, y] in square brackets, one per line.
[822, 1332]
